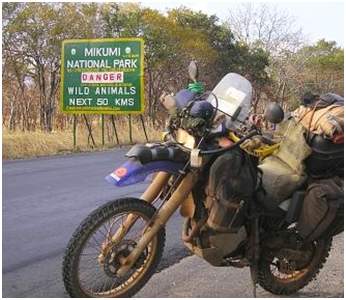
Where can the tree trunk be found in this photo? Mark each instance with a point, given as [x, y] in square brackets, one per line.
[12, 119]
[283, 94]
[256, 100]
[48, 118]
[130, 130]
[150, 92]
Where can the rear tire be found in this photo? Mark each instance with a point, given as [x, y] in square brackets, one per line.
[277, 286]
[85, 231]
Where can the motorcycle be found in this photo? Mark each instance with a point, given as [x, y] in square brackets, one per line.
[117, 248]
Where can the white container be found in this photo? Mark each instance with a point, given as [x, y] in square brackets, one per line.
[234, 93]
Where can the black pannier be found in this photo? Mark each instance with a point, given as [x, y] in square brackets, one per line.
[326, 159]
[323, 199]
[232, 184]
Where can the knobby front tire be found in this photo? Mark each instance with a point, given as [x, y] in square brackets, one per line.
[72, 275]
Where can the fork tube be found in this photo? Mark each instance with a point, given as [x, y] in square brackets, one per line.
[160, 220]
[155, 187]
[149, 195]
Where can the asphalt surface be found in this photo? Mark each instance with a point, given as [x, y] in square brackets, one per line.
[44, 200]
[192, 277]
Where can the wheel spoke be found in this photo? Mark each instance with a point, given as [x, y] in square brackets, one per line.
[99, 279]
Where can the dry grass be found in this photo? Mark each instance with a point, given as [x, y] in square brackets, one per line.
[20, 144]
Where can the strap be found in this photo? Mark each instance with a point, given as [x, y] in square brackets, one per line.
[327, 110]
[312, 116]
[154, 153]
[170, 153]
[310, 122]
[304, 115]
[338, 139]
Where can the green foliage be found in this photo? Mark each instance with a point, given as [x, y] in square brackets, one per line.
[39, 28]
[164, 39]
[32, 45]
[317, 68]
[229, 54]
[252, 62]
[33, 33]
[325, 56]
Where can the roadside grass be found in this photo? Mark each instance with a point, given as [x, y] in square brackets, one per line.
[28, 144]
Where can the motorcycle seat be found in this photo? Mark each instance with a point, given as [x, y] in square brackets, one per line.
[157, 152]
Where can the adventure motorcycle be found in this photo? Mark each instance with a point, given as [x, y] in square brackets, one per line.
[117, 248]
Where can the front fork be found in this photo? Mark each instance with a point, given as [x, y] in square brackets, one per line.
[150, 194]
[161, 217]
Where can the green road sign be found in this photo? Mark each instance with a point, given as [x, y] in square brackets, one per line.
[102, 76]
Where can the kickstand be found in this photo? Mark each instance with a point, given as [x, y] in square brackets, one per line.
[255, 255]
[254, 281]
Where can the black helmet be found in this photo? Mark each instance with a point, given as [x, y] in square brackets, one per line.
[309, 98]
[274, 113]
[202, 109]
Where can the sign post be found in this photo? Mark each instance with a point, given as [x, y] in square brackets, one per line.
[102, 76]
[103, 129]
[74, 131]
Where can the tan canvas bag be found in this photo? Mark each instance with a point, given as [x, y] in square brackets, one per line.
[324, 121]
[283, 172]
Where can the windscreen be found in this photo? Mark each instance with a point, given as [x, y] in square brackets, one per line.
[234, 94]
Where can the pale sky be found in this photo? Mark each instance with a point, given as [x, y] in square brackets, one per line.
[318, 19]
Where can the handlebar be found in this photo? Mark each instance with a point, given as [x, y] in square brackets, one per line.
[219, 151]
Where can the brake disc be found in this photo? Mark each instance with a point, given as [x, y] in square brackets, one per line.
[112, 259]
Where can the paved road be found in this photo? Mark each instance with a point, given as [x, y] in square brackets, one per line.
[192, 277]
[44, 200]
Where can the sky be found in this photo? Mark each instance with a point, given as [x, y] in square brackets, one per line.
[318, 19]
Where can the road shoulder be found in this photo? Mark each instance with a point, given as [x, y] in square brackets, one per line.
[192, 277]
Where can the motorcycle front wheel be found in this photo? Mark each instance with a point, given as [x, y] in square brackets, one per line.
[102, 241]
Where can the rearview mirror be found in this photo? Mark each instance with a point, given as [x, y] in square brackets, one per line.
[193, 71]
[274, 113]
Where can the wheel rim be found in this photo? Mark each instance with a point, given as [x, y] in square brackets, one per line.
[287, 270]
[276, 269]
[99, 279]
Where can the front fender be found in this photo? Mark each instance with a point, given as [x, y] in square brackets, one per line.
[133, 171]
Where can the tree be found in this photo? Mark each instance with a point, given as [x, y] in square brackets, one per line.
[317, 67]
[261, 25]
[293, 66]
[33, 33]
[325, 56]
[231, 55]
[33, 36]
[324, 67]
[168, 46]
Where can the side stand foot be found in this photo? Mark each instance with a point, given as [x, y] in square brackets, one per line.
[254, 290]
